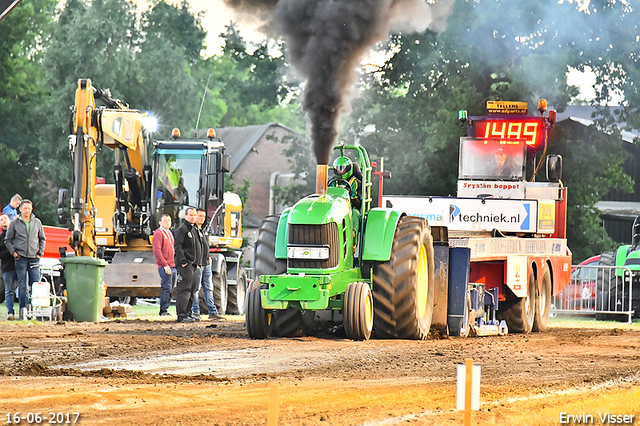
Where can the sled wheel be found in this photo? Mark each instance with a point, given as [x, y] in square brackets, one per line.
[358, 311]
[403, 289]
[237, 295]
[543, 302]
[519, 314]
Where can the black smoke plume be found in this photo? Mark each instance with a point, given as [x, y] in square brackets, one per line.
[327, 39]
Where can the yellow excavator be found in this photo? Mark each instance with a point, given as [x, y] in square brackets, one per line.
[151, 178]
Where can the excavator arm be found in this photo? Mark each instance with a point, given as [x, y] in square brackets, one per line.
[122, 130]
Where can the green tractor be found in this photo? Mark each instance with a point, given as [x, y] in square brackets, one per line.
[613, 286]
[332, 252]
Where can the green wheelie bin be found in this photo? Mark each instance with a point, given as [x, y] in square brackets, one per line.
[85, 280]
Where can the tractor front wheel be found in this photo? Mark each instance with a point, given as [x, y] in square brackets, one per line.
[403, 286]
[257, 319]
[358, 311]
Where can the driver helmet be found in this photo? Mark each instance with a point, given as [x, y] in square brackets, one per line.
[343, 167]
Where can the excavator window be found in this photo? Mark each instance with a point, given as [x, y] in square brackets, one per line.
[178, 179]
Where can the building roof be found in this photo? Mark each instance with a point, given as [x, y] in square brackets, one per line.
[239, 141]
[583, 114]
[618, 209]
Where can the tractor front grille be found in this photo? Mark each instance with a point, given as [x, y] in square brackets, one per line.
[315, 235]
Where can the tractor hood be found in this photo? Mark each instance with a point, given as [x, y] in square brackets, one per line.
[319, 209]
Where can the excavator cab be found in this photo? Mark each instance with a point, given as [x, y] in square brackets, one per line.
[176, 184]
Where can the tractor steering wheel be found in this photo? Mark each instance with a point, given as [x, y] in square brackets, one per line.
[336, 182]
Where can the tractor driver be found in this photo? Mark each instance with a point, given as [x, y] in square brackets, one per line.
[346, 171]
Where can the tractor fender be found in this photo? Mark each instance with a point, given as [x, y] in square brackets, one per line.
[216, 262]
[282, 235]
[631, 260]
[378, 233]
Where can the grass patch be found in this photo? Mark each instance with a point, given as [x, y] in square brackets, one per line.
[581, 321]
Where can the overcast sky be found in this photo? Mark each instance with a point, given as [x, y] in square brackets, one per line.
[218, 15]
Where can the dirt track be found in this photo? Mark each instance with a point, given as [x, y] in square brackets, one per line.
[158, 372]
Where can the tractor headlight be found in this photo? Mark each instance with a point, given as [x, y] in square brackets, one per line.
[315, 253]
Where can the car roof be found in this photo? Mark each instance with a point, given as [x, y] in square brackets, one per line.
[592, 259]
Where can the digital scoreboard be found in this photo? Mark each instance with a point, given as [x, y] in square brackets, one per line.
[510, 130]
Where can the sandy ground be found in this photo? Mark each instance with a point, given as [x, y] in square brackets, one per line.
[155, 372]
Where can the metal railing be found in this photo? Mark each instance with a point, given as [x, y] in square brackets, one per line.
[603, 291]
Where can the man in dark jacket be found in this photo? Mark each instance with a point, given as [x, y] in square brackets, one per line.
[187, 258]
[25, 240]
[8, 269]
[203, 275]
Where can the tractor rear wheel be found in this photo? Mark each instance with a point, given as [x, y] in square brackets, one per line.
[358, 311]
[292, 322]
[258, 321]
[237, 295]
[543, 303]
[520, 313]
[403, 286]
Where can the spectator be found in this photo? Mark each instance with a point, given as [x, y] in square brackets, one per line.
[8, 269]
[187, 257]
[25, 240]
[164, 253]
[203, 275]
[11, 209]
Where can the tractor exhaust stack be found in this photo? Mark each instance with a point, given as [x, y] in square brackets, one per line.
[321, 178]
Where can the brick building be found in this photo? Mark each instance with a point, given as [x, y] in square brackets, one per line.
[257, 155]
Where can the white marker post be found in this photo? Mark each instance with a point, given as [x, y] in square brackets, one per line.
[468, 397]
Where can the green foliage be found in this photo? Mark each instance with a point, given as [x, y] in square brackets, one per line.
[254, 85]
[23, 34]
[164, 23]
